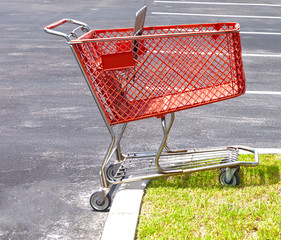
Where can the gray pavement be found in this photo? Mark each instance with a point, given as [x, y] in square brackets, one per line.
[52, 138]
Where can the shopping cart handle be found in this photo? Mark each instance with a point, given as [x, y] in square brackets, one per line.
[56, 24]
[49, 28]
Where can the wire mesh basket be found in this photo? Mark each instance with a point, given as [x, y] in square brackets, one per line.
[166, 69]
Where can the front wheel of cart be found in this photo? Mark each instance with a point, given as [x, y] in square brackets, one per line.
[100, 207]
[235, 180]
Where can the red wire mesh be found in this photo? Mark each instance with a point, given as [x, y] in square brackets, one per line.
[167, 69]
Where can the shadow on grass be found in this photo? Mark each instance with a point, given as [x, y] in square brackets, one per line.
[261, 175]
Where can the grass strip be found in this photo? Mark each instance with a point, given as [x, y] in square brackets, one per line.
[196, 206]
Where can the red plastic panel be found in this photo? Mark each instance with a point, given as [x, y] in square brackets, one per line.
[117, 60]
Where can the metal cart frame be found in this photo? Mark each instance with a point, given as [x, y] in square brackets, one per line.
[165, 162]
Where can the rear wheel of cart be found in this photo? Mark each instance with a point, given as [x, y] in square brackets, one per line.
[235, 180]
[111, 174]
[224, 169]
[101, 207]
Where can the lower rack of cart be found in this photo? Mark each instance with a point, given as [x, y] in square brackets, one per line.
[142, 166]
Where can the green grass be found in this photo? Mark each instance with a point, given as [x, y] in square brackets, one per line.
[196, 206]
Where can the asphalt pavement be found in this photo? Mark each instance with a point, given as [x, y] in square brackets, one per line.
[52, 137]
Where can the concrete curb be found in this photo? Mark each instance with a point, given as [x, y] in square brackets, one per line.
[123, 217]
[124, 213]
[269, 150]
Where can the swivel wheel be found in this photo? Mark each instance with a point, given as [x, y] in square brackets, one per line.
[234, 181]
[111, 174]
[100, 206]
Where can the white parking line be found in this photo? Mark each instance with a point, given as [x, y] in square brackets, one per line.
[214, 15]
[221, 54]
[262, 33]
[261, 55]
[219, 3]
[264, 92]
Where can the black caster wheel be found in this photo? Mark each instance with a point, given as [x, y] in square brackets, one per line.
[110, 174]
[235, 180]
[100, 207]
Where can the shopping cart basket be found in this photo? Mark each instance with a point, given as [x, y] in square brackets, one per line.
[153, 72]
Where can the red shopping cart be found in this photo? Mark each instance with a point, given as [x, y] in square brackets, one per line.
[143, 72]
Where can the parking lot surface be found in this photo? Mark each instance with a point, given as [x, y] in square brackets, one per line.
[52, 137]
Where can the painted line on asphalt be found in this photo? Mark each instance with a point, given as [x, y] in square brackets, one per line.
[219, 3]
[261, 33]
[214, 15]
[264, 92]
[219, 54]
[261, 55]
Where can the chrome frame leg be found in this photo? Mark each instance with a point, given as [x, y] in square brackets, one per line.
[103, 180]
[165, 130]
[118, 148]
[163, 143]
[110, 151]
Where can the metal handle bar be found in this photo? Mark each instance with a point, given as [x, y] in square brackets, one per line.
[49, 28]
